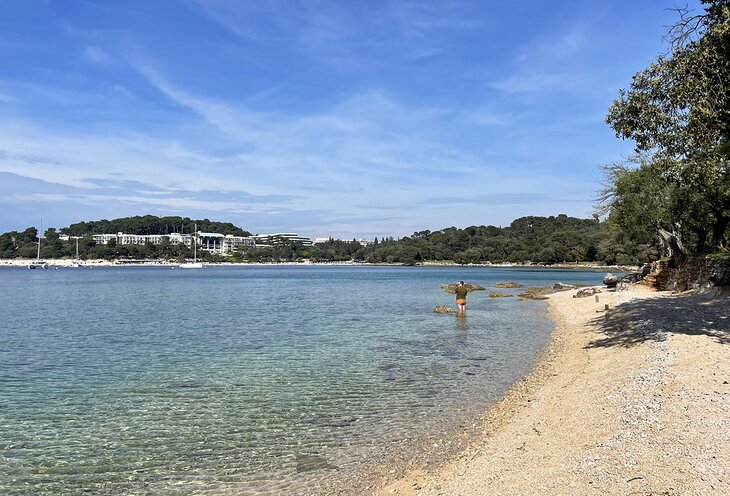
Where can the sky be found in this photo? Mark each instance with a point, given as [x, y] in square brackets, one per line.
[326, 118]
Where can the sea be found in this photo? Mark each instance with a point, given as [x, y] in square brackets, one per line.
[263, 379]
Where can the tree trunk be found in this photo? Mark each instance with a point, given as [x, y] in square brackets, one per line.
[673, 243]
[718, 232]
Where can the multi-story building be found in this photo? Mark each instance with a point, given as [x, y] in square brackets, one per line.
[233, 243]
[363, 242]
[141, 239]
[220, 244]
[280, 239]
[223, 244]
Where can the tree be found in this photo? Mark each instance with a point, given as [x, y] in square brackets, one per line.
[678, 111]
[640, 201]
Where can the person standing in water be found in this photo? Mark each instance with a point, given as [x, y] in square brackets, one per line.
[461, 292]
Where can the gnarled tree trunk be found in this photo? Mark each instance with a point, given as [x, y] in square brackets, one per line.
[673, 243]
[718, 232]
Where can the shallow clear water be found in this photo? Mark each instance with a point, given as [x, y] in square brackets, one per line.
[257, 380]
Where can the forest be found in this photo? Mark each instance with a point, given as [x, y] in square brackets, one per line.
[536, 239]
[676, 187]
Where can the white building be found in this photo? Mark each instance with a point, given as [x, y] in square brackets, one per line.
[141, 239]
[280, 239]
[363, 242]
[232, 243]
[221, 244]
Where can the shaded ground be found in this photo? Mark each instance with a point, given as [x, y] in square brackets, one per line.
[654, 319]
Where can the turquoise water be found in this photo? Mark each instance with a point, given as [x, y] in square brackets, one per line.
[253, 380]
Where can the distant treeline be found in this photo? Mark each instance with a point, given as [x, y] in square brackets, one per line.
[24, 244]
[536, 239]
[150, 224]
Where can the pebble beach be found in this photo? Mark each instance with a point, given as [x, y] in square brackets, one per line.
[633, 400]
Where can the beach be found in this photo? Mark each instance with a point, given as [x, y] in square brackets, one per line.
[635, 400]
[66, 262]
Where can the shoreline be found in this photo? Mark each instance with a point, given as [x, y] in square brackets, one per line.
[65, 262]
[609, 398]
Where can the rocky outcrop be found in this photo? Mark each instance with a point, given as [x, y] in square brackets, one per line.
[497, 294]
[508, 285]
[586, 292]
[698, 273]
[610, 280]
[536, 293]
[559, 286]
[442, 309]
[451, 288]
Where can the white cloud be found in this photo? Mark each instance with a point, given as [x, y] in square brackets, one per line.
[552, 48]
[176, 203]
[96, 54]
[547, 63]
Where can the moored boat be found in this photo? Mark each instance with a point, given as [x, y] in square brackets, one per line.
[194, 264]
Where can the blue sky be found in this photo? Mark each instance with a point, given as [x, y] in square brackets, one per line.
[349, 119]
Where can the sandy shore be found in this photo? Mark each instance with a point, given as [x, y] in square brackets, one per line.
[64, 262]
[636, 402]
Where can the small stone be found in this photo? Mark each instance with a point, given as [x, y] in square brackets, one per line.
[441, 309]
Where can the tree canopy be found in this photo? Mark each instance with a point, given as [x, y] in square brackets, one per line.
[537, 239]
[150, 224]
[678, 113]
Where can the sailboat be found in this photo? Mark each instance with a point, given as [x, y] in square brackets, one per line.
[38, 263]
[194, 264]
[77, 262]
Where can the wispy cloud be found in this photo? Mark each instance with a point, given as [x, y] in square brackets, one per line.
[546, 62]
[97, 54]
[326, 117]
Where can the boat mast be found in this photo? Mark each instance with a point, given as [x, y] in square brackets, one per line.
[195, 244]
[77, 248]
[38, 257]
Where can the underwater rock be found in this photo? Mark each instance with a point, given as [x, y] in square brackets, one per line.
[443, 309]
[536, 293]
[307, 463]
[508, 285]
[470, 286]
[497, 294]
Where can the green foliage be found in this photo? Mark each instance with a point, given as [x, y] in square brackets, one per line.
[719, 254]
[536, 239]
[150, 224]
[678, 113]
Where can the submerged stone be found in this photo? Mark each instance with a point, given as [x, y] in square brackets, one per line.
[307, 463]
[443, 309]
[508, 285]
[536, 293]
[451, 288]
